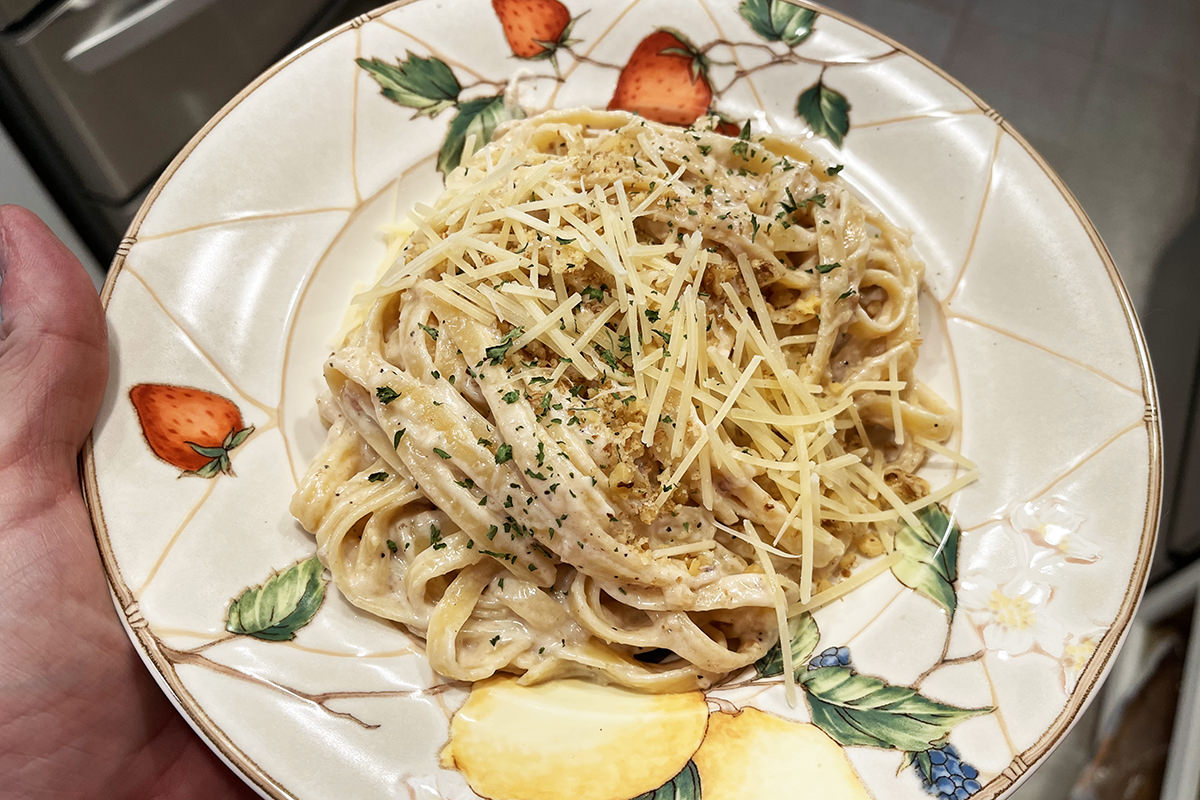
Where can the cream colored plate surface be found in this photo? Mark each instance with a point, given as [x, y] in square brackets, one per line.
[226, 292]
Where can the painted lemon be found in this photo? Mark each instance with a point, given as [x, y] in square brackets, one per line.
[571, 740]
[752, 754]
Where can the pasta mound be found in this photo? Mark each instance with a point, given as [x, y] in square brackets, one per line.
[626, 397]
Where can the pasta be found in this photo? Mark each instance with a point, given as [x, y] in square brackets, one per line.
[625, 397]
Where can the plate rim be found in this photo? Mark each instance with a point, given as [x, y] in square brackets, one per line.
[1022, 763]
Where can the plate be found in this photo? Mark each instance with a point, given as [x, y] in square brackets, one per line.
[226, 292]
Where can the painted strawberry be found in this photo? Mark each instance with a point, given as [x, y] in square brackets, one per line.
[534, 28]
[189, 428]
[666, 80]
[727, 126]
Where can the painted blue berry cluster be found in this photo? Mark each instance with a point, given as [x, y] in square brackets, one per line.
[946, 776]
[831, 657]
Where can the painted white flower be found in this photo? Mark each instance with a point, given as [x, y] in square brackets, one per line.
[1077, 652]
[1006, 593]
[1050, 522]
[1084, 633]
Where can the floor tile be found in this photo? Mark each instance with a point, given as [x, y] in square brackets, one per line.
[924, 26]
[1157, 38]
[1073, 25]
[1037, 87]
[1135, 167]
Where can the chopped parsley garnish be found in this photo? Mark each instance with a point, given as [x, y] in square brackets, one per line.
[817, 198]
[754, 226]
[594, 293]
[399, 435]
[376, 477]
[790, 205]
[435, 537]
[535, 475]
[392, 546]
[433, 334]
[652, 315]
[607, 355]
[823, 268]
[496, 353]
[561, 240]
[441, 453]
[845, 294]
[541, 454]
[386, 394]
[512, 397]
[503, 453]
[742, 146]
[835, 169]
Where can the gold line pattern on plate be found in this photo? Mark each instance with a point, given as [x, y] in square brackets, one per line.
[998, 714]
[987, 193]
[354, 83]
[1018, 764]
[1066, 473]
[240, 219]
[733, 53]
[272, 416]
[433, 51]
[303, 296]
[1099, 373]
[973, 111]
[162, 557]
[587, 52]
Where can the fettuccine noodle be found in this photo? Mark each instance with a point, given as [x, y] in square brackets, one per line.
[625, 398]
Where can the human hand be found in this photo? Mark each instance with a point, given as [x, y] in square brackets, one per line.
[79, 714]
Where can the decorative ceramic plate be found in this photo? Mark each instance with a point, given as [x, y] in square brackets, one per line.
[950, 675]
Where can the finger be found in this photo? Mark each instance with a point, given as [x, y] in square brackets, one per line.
[54, 351]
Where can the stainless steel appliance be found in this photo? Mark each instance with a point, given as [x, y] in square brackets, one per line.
[101, 94]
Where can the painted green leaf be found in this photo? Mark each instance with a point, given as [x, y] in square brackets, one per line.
[684, 786]
[219, 456]
[282, 605]
[930, 563]
[478, 118]
[827, 111]
[778, 20]
[426, 84]
[804, 637]
[860, 710]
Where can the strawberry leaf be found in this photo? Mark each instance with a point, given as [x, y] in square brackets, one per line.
[426, 84]
[684, 786]
[207, 452]
[778, 20]
[476, 118]
[826, 111]
[212, 469]
[284, 603]
[219, 455]
[237, 437]
[697, 66]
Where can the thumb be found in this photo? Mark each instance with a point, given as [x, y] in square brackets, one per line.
[53, 346]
